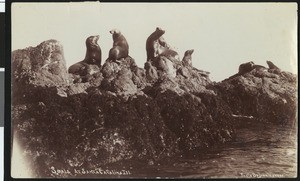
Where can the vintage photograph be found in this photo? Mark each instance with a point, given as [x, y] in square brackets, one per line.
[154, 90]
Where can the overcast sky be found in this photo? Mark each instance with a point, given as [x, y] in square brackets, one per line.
[222, 35]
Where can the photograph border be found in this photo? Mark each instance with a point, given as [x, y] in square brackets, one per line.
[8, 96]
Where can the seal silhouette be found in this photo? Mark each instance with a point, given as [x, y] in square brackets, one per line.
[154, 42]
[92, 57]
[246, 67]
[93, 51]
[120, 47]
[273, 68]
[187, 59]
[272, 65]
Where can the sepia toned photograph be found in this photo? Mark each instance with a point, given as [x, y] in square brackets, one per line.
[154, 90]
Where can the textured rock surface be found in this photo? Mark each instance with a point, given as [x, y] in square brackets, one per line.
[267, 96]
[125, 112]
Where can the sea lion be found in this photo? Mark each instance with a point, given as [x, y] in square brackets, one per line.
[154, 41]
[92, 57]
[120, 47]
[273, 68]
[93, 51]
[246, 67]
[259, 67]
[79, 68]
[187, 59]
[168, 53]
[272, 65]
[162, 42]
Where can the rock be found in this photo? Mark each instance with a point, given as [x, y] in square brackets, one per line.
[39, 70]
[43, 65]
[151, 72]
[124, 112]
[262, 94]
[123, 78]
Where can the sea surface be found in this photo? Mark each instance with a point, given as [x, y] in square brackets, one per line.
[259, 151]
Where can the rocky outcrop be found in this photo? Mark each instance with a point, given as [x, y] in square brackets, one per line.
[125, 112]
[263, 94]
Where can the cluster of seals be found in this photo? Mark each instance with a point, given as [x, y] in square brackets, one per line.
[120, 47]
[92, 57]
[156, 46]
[249, 66]
[187, 59]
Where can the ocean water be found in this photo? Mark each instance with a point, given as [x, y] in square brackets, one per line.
[259, 151]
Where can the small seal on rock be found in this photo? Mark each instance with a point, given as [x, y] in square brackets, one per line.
[272, 65]
[273, 68]
[92, 57]
[259, 67]
[120, 47]
[246, 67]
[169, 53]
[187, 59]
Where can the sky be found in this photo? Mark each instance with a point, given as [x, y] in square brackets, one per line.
[223, 35]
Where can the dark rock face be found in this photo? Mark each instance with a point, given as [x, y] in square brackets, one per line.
[262, 94]
[125, 112]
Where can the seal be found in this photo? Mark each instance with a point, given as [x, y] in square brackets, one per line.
[259, 67]
[79, 68]
[273, 68]
[246, 67]
[93, 51]
[92, 57]
[153, 42]
[120, 47]
[187, 59]
[168, 53]
[272, 65]
[249, 66]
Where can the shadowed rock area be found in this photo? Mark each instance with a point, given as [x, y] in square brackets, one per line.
[124, 112]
